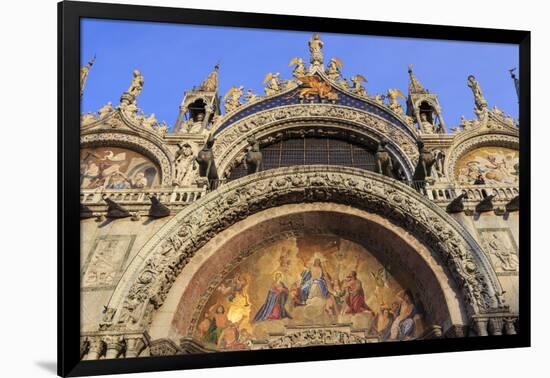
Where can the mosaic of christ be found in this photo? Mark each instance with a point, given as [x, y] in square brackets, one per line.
[116, 168]
[305, 281]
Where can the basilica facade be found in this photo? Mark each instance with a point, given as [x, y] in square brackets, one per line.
[314, 213]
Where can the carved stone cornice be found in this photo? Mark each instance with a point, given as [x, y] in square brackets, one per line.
[231, 141]
[479, 137]
[150, 276]
[118, 119]
[154, 150]
[312, 337]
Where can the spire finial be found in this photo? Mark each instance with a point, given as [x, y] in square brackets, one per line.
[516, 80]
[84, 71]
[414, 84]
[210, 84]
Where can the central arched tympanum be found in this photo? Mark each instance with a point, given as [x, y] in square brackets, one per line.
[314, 120]
[378, 224]
[241, 268]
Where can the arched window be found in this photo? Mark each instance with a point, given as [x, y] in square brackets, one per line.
[312, 150]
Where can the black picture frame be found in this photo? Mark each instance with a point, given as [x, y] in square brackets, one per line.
[69, 15]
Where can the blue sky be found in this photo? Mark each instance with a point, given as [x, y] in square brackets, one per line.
[174, 58]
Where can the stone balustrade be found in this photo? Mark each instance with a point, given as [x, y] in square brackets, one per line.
[448, 192]
[138, 199]
[177, 198]
[443, 193]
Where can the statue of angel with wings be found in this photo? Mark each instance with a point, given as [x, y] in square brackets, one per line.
[273, 83]
[357, 87]
[300, 69]
[232, 99]
[393, 103]
[333, 69]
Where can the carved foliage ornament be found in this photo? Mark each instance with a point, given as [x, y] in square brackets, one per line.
[313, 337]
[173, 247]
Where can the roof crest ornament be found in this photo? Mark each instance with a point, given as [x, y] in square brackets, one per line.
[316, 53]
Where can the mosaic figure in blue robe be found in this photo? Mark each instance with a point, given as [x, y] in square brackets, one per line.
[403, 327]
[275, 302]
[313, 283]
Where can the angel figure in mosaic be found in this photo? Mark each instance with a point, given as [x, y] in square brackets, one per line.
[357, 87]
[232, 99]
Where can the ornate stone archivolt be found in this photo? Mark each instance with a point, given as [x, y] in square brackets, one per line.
[115, 131]
[468, 141]
[151, 274]
[231, 142]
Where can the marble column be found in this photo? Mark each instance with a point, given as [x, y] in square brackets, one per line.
[134, 346]
[509, 326]
[114, 346]
[480, 326]
[495, 326]
[96, 349]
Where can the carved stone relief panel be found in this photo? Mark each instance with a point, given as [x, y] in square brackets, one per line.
[103, 267]
[499, 244]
